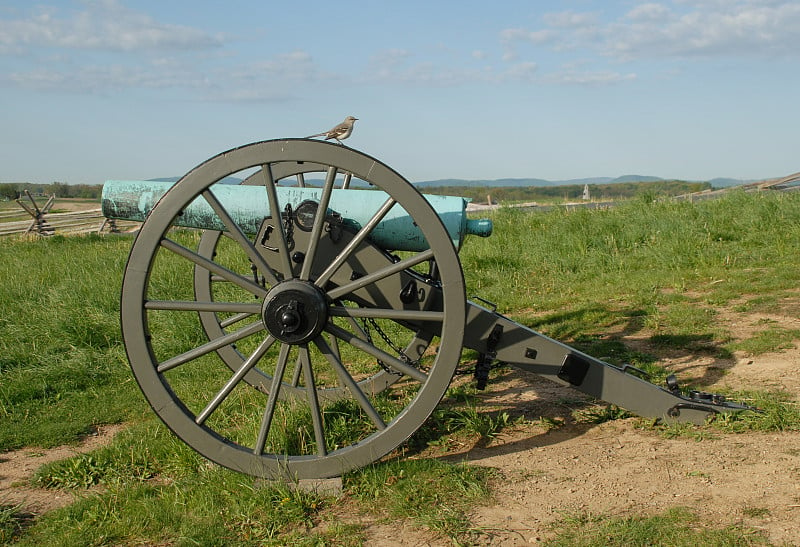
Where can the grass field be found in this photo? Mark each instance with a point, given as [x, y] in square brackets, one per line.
[662, 268]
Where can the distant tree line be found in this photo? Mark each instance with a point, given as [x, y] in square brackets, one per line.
[13, 190]
[572, 192]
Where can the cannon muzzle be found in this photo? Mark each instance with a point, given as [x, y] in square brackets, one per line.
[249, 206]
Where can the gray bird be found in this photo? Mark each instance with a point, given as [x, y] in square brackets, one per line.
[340, 132]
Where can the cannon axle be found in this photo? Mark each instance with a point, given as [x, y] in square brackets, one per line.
[295, 311]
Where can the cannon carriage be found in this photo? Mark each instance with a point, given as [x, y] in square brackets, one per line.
[288, 331]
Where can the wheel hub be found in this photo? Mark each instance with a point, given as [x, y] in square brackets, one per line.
[295, 311]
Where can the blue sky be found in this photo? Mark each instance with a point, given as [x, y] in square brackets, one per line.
[116, 89]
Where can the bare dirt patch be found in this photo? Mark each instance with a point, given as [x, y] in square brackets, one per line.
[626, 468]
[623, 469]
[18, 466]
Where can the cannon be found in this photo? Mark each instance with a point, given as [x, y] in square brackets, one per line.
[289, 330]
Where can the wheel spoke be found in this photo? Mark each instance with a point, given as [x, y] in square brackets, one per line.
[389, 360]
[380, 274]
[275, 209]
[194, 305]
[334, 345]
[213, 267]
[269, 410]
[235, 233]
[360, 236]
[319, 221]
[333, 358]
[251, 361]
[296, 374]
[234, 319]
[313, 401]
[208, 347]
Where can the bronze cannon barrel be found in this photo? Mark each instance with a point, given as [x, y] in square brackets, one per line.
[248, 206]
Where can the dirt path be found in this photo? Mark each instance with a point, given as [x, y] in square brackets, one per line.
[18, 466]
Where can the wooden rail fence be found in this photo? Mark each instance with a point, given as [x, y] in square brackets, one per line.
[76, 222]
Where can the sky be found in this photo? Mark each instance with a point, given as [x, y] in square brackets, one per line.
[92, 90]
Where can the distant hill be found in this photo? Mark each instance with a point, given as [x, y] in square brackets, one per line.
[635, 178]
[589, 180]
[726, 182]
[514, 183]
[509, 183]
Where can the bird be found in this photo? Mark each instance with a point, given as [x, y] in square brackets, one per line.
[340, 132]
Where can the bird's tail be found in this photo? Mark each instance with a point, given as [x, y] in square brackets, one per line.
[317, 135]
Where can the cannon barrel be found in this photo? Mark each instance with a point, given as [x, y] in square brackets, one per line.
[249, 205]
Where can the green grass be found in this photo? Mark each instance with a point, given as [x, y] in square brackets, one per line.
[145, 465]
[776, 412]
[676, 527]
[641, 253]
[432, 493]
[155, 489]
[772, 338]
[12, 520]
[211, 507]
[61, 360]
[662, 270]
[141, 452]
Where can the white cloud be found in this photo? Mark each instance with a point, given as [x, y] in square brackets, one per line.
[106, 26]
[277, 78]
[603, 77]
[274, 79]
[533, 36]
[389, 57]
[105, 47]
[524, 71]
[712, 30]
[104, 78]
[401, 67]
[677, 29]
[649, 12]
[570, 19]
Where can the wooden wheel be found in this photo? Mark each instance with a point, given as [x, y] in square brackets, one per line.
[299, 313]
